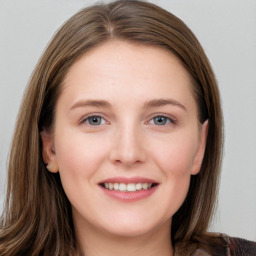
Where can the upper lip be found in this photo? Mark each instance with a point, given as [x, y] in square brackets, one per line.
[127, 180]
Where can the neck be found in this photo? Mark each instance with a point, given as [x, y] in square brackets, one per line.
[93, 242]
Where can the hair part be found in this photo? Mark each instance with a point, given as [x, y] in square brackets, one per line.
[37, 218]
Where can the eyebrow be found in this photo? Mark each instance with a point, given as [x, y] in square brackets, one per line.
[163, 102]
[148, 104]
[90, 103]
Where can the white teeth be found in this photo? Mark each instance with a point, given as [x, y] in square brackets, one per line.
[116, 186]
[138, 186]
[122, 187]
[145, 185]
[130, 187]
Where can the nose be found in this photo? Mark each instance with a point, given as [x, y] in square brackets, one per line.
[128, 147]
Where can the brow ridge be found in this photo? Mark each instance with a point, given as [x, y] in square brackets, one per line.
[163, 102]
[92, 103]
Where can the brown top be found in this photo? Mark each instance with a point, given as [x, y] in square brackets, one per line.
[218, 245]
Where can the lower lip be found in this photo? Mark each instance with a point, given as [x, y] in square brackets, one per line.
[130, 196]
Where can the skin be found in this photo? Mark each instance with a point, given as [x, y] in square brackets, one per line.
[128, 142]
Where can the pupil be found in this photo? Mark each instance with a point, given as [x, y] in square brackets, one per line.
[160, 120]
[95, 120]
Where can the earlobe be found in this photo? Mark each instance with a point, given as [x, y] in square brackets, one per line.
[48, 151]
[52, 168]
[201, 149]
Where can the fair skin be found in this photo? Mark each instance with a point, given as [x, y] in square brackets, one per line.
[126, 115]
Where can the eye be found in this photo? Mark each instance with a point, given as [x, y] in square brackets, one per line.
[95, 120]
[161, 120]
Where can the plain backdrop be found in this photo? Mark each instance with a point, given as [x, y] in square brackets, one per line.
[227, 31]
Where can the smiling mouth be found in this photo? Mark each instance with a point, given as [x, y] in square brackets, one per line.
[128, 187]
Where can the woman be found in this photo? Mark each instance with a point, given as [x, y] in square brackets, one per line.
[118, 143]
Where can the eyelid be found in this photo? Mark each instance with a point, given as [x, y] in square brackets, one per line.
[86, 117]
[170, 117]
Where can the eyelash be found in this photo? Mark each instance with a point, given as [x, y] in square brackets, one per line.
[167, 120]
[88, 118]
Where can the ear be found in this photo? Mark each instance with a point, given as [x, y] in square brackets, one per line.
[201, 149]
[48, 151]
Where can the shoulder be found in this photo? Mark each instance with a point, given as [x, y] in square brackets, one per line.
[217, 245]
[223, 245]
[241, 247]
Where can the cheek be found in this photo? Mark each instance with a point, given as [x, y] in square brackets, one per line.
[78, 155]
[176, 155]
[175, 158]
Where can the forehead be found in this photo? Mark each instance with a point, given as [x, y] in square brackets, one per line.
[130, 70]
[126, 54]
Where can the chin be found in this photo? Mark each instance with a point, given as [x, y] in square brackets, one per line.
[129, 227]
[129, 231]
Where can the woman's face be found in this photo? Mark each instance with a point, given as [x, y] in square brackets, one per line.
[126, 139]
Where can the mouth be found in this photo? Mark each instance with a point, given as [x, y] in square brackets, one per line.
[128, 187]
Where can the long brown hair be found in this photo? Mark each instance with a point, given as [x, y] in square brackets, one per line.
[37, 219]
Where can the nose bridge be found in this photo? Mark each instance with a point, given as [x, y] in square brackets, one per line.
[128, 146]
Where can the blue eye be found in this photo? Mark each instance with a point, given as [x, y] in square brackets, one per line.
[95, 120]
[161, 120]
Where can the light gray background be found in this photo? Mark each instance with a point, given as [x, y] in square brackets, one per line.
[227, 31]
